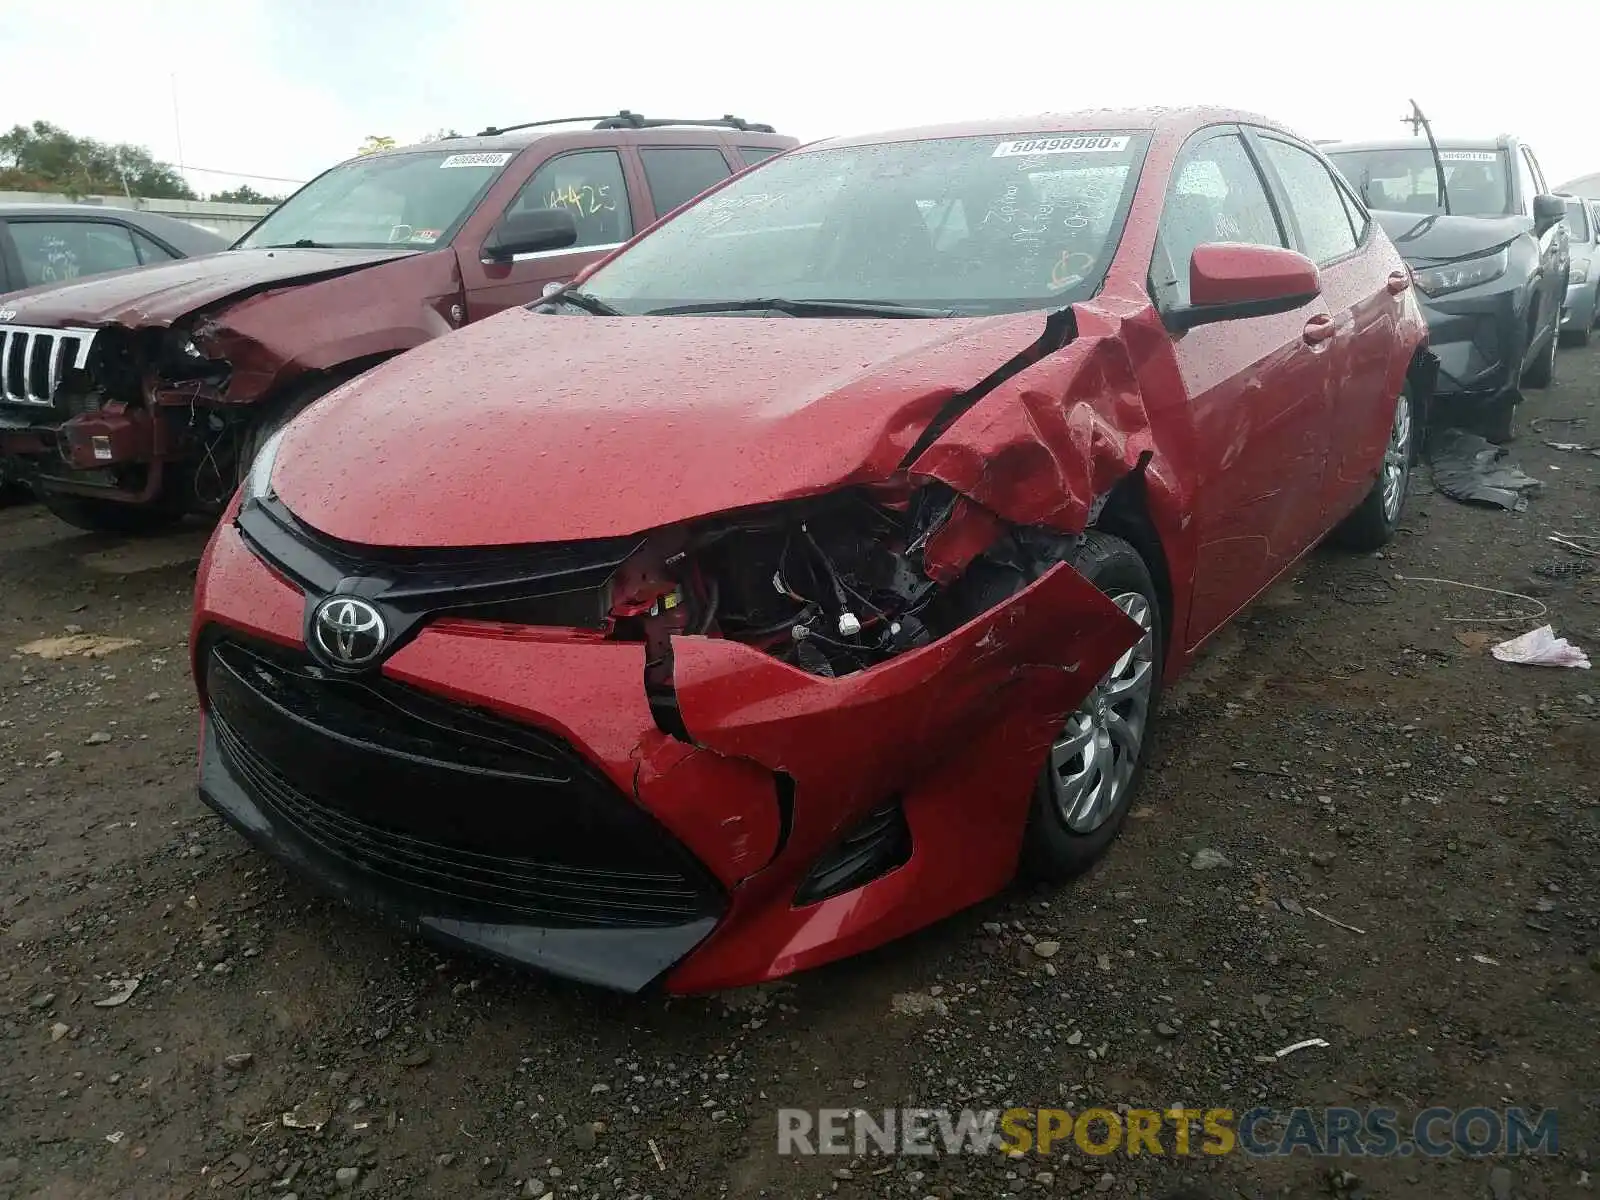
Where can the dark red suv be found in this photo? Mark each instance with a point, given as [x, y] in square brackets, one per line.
[132, 398]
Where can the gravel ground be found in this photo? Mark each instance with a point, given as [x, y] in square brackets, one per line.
[1349, 747]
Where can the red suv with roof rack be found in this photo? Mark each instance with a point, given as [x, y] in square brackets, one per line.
[132, 398]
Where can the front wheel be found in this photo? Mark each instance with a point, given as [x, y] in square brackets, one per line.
[1543, 373]
[1372, 525]
[1088, 782]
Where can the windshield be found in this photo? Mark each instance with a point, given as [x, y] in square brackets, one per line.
[1578, 221]
[971, 224]
[1407, 181]
[407, 200]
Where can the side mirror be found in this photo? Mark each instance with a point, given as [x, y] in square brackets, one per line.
[530, 230]
[1229, 281]
[1548, 212]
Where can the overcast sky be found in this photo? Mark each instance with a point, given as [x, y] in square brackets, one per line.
[288, 87]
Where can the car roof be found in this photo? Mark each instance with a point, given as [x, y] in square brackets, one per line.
[183, 236]
[1421, 143]
[516, 140]
[1091, 120]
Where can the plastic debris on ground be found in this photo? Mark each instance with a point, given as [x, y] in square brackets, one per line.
[1468, 468]
[1541, 648]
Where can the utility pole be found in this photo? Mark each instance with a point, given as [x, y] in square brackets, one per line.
[177, 126]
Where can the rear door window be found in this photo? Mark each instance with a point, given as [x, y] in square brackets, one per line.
[754, 154]
[677, 174]
[60, 251]
[150, 251]
[1319, 212]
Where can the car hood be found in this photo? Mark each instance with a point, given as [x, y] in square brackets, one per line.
[1424, 238]
[533, 428]
[158, 295]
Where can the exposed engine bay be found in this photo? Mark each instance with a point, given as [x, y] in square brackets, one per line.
[831, 586]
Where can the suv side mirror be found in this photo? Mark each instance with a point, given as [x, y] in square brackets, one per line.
[1548, 212]
[1229, 281]
[530, 230]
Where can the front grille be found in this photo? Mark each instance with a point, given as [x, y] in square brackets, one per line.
[469, 815]
[32, 361]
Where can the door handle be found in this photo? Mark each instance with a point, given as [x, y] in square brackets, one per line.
[1319, 329]
[1399, 281]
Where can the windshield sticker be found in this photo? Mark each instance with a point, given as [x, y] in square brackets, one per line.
[426, 236]
[400, 233]
[1469, 156]
[476, 160]
[1090, 144]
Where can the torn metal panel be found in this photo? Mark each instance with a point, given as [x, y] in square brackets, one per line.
[850, 741]
[1045, 443]
[1468, 468]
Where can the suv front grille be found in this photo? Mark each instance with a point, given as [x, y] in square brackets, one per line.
[32, 361]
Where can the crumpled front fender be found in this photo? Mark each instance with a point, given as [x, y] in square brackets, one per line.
[959, 729]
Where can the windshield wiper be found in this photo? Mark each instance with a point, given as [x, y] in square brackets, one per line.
[805, 308]
[583, 300]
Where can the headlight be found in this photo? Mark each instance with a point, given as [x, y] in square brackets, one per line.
[258, 484]
[1469, 272]
[1580, 271]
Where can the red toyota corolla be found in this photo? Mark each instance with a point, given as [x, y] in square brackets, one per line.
[824, 564]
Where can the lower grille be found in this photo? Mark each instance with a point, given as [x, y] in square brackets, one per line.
[472, 818]
[32, 361]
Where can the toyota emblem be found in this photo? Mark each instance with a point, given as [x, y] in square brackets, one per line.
[348, 632]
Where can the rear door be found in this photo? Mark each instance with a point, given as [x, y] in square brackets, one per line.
[1329, 226]
[1259, 391]
[591, 182]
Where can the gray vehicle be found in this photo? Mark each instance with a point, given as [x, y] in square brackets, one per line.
[57, 243]
[1580, 313]
[1487, 246]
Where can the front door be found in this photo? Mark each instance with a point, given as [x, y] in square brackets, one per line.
[1259, 389]
[589, 183]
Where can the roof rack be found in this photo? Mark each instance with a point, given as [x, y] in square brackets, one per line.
[632, 120]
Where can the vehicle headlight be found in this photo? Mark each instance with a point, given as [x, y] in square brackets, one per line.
[1469, 272]
[258, 483]
[1580, 271]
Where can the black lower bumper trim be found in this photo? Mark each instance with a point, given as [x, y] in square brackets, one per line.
[625, 959]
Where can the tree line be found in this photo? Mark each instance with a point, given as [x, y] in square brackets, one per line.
[42, 157]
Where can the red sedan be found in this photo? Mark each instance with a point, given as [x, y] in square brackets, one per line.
[824, 565]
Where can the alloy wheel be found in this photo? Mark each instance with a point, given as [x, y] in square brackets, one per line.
[1092, 763]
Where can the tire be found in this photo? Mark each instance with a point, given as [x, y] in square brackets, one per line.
[1055, 848]
[112, 516]
[1372, 525]
[274, 415]
[1543, 373]
[1575, 337]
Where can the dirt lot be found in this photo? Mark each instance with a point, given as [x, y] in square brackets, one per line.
[1350, 747]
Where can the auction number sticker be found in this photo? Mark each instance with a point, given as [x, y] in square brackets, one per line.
[1090, 144]
[1469, 156]
[476, 160]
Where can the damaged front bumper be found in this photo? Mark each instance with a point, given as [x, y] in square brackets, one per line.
[1480, 337]
[513, 789]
